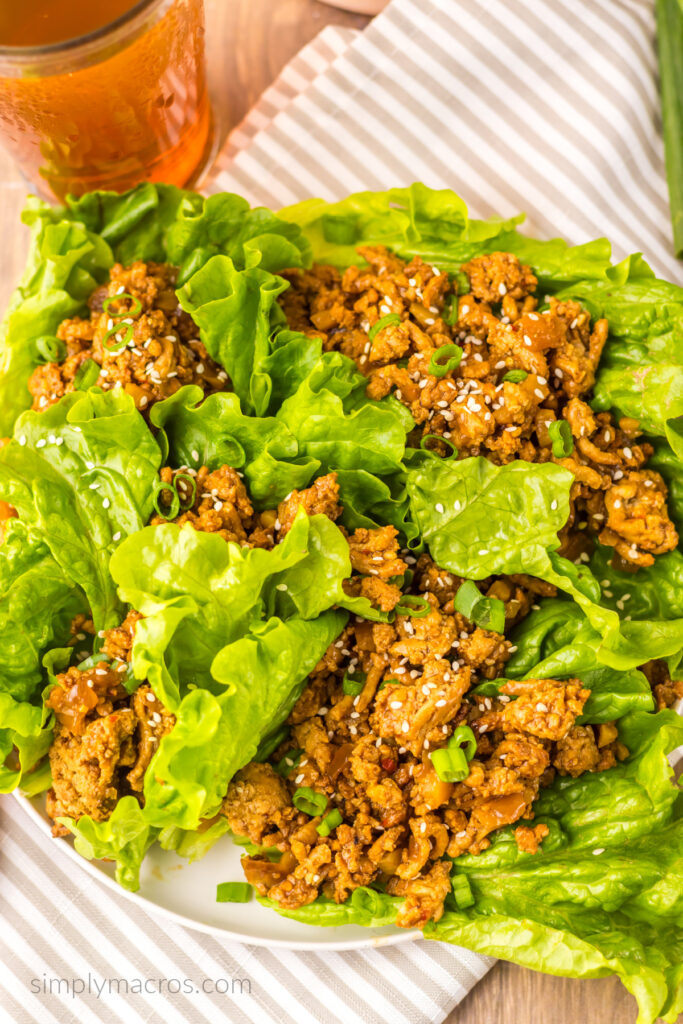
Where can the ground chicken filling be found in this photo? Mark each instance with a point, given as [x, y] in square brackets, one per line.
[137, 337]
[386, 696]
[369, 753]
[370, 756]
[105, 737]
[521, 370]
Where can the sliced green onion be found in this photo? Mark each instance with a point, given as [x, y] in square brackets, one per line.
[385, 321]
[414, 605]
[486, 612]
[307, 800]
[119, 343]
[288, 763]
[353, 683]
[452, 354]
[449, 314]
[367, 900]
[464, 737]
[338, 230]
[462, 283]
[233, 892]
[50, 349]
[329, 822]
[462, 892]
[450, 764]
[174, 509]
[561, 436]
[442, 440]
[669, 36]
[87, 374]
[193, 488]
[136, 306]
[515, 376]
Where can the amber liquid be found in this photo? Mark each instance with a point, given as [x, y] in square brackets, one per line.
[137, 110]
[41, 22]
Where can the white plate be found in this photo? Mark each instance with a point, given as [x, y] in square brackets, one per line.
[186, 893]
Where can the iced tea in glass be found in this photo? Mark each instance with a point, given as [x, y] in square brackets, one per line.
[103, 93]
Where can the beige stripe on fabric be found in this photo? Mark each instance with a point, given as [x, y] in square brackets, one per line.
[532, 107]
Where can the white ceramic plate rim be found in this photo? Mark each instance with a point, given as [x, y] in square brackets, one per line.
[153, 908]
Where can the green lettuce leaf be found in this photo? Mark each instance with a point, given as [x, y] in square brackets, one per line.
[434, 224]
[603, 893]
[72, 247]
[65, 263]
[365, 907]
[125, 838]
[81, 475]
[262, 675]
[168, 224]
[215, 432]
[198, 594]
[37, 604]
[641, 371]
[479, 519]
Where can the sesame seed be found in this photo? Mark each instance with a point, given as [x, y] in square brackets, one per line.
[405, 727]
[553, 504]
[106, 503]
[439, 507]
[41, 443]
[281, 586]
[600, 849]
[299, 778]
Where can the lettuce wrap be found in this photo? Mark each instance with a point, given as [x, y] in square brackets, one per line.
[230, 634]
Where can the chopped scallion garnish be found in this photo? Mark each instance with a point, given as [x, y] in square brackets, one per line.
[444, 360]
[353, 683]
[288, 762]
[561, 436]
[50, 349]
[450, 764]
[462, 891]
[307, 800]
[385, 321]
[515, 376]
[414, 605]
[233, 892]
[87, 374]
[465, 738]
[120, 343]
[329, 822]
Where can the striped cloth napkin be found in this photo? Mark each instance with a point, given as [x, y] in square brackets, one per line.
[549, 107]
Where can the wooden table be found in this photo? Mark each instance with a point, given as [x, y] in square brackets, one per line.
[249, 41]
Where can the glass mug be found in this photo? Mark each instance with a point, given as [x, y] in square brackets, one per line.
[125, 103]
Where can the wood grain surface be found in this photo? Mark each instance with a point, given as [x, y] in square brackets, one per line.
[248, 43]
